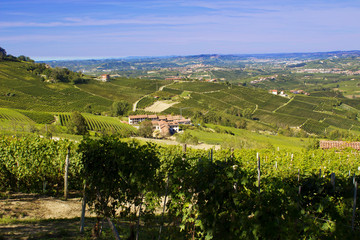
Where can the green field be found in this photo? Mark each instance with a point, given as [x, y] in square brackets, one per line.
[98, 123]
[240, 138]
[12, 115]
[20, 89]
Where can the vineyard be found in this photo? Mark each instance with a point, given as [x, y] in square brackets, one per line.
[12, 115]
[23, 90]
[99, 123]
[183, 193]
[305, 112]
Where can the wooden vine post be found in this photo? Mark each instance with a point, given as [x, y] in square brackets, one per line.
[299, 192]
[164, 206]
[354, 206]
[113, 229]
[333, 180]
[184, 152]
[83, 208]
[67, 162]
[258, 168]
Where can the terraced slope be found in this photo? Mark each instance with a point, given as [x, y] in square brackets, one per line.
[21, 89]
[312, 114]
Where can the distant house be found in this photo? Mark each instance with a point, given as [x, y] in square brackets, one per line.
[105, 77]
[274, 91]
[173, 78]
[339, 145]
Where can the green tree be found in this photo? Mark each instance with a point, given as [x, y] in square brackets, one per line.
[145, 129]
[120, 108]
[77, 124]
[2, 53]
[241, 124]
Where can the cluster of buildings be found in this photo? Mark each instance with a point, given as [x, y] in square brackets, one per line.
[299, 92]
[329, 70]
[283, 94]
[165, 124]
[280, 93]
[264, 79]
[339, 145]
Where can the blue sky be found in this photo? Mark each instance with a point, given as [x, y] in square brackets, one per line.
[55, 29]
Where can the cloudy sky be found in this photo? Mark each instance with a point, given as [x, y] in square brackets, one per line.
[55, 29]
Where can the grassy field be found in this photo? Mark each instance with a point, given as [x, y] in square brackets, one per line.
[240, 138]
[128, 89]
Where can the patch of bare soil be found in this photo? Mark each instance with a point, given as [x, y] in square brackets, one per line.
[32, 216]
[30, 206]
[160, 106]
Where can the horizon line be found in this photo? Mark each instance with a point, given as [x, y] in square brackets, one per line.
[43, 59]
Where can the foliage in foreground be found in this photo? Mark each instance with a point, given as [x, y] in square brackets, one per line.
[209, 196]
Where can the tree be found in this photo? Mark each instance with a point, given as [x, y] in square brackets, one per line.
[25, 58]
[145, 129]
[241, 124]
[2, 53]
[120, 108]
[77, 124]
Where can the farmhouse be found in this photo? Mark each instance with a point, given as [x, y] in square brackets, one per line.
[163, 123]
[105, 77]
[274, 91]
[339, 145]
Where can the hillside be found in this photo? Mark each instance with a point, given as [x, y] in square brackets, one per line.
[217, 103]
[21, 89]
[220, 103]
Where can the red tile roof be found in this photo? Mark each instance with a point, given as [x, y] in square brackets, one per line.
[339, 145]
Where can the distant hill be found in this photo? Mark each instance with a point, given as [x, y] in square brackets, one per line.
[220, 60]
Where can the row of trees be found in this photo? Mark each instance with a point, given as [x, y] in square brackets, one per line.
[56, 74]
[8, 57]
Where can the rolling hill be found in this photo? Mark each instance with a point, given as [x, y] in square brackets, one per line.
[205, 102]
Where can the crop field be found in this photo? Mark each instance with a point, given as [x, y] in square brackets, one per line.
[39, 117]
[257, 140]
[23, 90]
[231, 99]
[172, 91]
[99, 123]
[128, 89]
[315, 127]
[302, 112]
[300, 104]
[145, 102]
[12, 115]
[341, 122]
[352, 102]
[198, 86]
[281, 120]
[264, 100]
